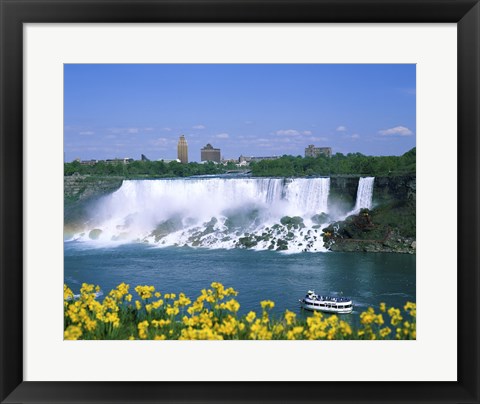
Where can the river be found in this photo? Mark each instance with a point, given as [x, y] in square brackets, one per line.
[257, 275]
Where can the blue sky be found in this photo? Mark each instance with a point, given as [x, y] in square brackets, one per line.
[254, 110]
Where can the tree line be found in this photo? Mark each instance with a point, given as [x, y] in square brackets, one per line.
[338, 164]
[285, 166]
[151, 169]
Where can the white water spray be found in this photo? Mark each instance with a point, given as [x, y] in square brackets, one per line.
[212, 212]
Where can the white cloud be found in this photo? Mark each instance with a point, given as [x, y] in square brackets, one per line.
[167, 129]
[87, 132]
[161, 141]
[124, 130]
[148, 129]
[199, 127]
[355, 136]
[341, 129]
[222, 136]
[287, 132]
[293, 132]
[319, 139]
[397, 130]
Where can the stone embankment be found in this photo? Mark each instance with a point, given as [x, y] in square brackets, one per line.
[79, 191]
[83, 187]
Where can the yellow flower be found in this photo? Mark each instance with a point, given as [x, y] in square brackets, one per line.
[228, 326]
[160, 337]
[250, 316]
[67, 293]
[232, 305]
[278, 328]
[90, 325]
[219, 289]
[145, 292]
[160, 323]
[345, 328]
[331, 333]
[293, 333]
[398, 334]
[385, 331]
[366, 318]
[183, 300]
[157, 304]
[411, 308]
[142, 329]
[112, 318]
[259, 331]
[267, 304]
[196, 307]
[72, 332]
[172, 311]
[110, 304]
[212, 316]
[290, 317]
[231, 292]
[395, 315]
[120, 291]
[86, 289]
[379, 319]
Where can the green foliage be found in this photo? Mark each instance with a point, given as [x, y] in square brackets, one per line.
[146, 169]
[338, 164]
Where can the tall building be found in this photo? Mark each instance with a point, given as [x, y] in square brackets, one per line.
[312, 151]
[209, 153]
[182, 150]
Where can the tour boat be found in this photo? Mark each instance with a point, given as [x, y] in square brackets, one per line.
[328, 304]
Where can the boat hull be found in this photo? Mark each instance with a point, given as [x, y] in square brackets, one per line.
[324, 307]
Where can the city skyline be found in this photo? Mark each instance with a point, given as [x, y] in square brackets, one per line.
[251, 110]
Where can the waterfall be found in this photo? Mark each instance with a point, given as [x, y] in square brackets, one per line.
[309, 195]
[364, 194]
[211, 212]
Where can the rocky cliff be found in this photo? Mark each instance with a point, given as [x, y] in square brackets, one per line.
[390, 226]
[83, 187]
[79, 191]
[343, 190]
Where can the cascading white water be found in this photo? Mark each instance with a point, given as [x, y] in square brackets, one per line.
[309, 195]
[364, 194]
[211, 212]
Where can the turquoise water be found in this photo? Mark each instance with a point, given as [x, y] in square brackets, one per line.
[257, 275]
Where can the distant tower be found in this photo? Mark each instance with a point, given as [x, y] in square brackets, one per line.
[182, 149]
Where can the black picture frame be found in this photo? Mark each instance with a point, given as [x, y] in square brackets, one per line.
[14, 13]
